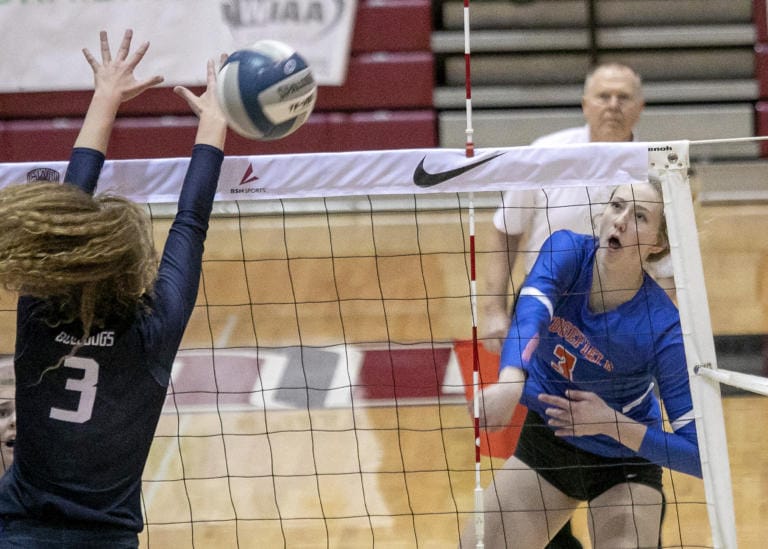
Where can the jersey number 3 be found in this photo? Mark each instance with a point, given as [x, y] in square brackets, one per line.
[86, 386]
[565, 362]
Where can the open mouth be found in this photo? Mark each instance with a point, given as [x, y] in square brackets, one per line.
[10, 443]
[614, 243]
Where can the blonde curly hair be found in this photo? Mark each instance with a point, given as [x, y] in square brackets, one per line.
[90, 257]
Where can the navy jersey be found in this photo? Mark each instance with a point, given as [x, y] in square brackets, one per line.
[618, 354]
[85, 428]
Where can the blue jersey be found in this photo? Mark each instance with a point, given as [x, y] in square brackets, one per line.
[85, 428]
[618, 354]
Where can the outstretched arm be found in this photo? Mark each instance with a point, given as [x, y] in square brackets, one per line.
[114, 83]
[179, 274]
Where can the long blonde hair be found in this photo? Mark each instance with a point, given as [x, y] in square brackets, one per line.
[91, 257]
[662, 235]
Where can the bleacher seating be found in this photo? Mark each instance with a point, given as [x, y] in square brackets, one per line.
[528, 63]
[385, 103]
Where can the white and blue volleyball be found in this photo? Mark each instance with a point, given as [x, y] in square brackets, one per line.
[266, 90]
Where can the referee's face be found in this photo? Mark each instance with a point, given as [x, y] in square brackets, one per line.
[612, 104]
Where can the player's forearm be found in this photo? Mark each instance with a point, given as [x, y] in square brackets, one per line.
[512, 375]
[211, 130]
[678, 450]
[630, 433]
[498, 272]
[99, 121]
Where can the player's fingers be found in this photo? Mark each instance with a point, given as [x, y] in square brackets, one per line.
[125, 44]
[106, 55]
[557, 414]
[189, 97]
[211, 72]
[148, 83]
[574, 394]
[554, 400]
[138, 55]
[182, 92]
[90, 58]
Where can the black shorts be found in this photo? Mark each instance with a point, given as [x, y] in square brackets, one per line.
[575, 472]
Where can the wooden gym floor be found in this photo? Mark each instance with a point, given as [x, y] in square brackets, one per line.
[384, 507]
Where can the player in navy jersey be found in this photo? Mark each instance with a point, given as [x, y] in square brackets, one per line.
[591, 338]
[98, 324]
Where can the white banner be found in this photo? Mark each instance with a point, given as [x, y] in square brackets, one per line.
[392, 172]
[42, 40]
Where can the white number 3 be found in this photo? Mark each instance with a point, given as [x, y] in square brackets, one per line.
[86, 386]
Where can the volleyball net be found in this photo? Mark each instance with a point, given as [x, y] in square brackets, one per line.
[319, 398]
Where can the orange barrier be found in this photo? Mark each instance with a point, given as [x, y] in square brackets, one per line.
[499, 444]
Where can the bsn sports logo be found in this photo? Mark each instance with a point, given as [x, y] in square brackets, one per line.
[248, 177]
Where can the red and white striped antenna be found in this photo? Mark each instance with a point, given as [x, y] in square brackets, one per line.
[469, 149]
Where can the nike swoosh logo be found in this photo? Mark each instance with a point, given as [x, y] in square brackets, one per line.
[424, 179]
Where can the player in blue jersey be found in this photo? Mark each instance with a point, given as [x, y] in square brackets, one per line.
[591, 338]
[99, 322]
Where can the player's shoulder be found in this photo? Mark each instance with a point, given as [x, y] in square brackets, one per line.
[659, 304]
[564, 240]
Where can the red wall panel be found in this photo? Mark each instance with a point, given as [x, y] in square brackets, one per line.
[385, 103]
[167, 137]
[760, 19]
[761, 112]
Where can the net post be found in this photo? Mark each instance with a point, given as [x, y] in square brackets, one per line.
[671, 160]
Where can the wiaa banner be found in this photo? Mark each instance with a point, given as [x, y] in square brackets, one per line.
[42, 41]
[392, 172]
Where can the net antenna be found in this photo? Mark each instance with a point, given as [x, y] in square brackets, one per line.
[469, 150]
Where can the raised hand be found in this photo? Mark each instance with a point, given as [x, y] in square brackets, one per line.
[114, 83]
[212, 127]
[115, 75]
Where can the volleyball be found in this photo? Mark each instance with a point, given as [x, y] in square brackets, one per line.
[267, 90]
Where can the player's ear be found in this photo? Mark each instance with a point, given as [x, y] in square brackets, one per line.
[658, 249]
[661, 248]
[596, 222]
